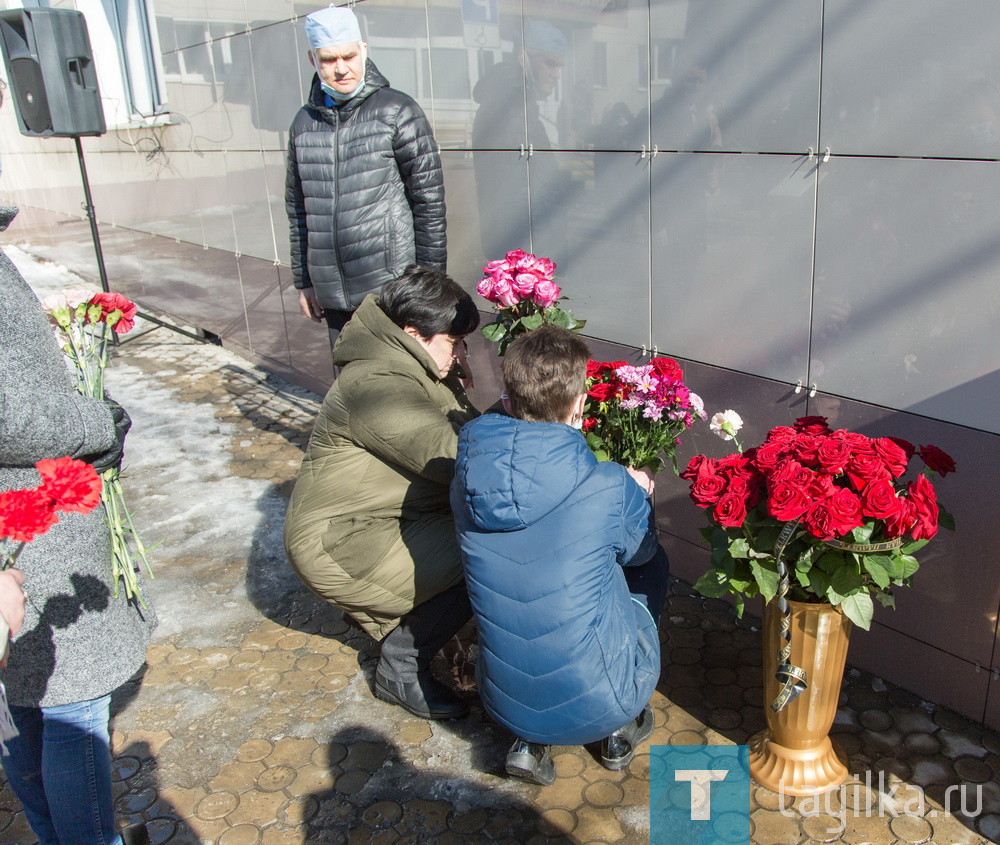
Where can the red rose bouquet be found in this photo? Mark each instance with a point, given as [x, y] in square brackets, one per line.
[832, 508]
[85, 322]
[635, 415]
[521, 289]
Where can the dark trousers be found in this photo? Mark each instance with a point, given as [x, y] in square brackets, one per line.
[335, 321]
[648, 582]
[409, 649]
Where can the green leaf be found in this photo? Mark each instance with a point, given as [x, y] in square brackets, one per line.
[909, 565]
[830, 562]
[767, 580]
[863, 533]
[713, 584]
[706, 533]
[739, 548]
[877, 570]
[915, 546]
[847, 579]
[886, 600]
[594, 441]
[945, 519]
[804, 562]
[494, 332]
[532, 321]
[859, 608]
[601, 456]
[819, 582]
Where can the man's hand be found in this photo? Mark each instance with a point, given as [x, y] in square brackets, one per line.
[643, 477]
[310, 305]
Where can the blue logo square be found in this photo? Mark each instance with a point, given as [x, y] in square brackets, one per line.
[700, 795]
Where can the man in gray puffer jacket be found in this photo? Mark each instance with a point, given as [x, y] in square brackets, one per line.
[364, 189]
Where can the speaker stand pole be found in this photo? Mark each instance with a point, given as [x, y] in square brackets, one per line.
[96, 236]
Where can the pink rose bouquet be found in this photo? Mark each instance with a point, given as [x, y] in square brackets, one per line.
[635, 415]
[85, 323]
[852, 520]
[521, 289]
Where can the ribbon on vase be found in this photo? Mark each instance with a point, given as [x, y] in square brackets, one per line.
[792, 678]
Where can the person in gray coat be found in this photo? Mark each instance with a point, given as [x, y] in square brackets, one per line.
[364, 189]
[78, 642]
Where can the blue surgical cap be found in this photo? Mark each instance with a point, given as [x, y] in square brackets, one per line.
[331, 27]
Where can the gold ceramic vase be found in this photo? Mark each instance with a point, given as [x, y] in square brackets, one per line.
[795, 754]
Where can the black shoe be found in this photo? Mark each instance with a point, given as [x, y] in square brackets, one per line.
[531, 762]
[135, 834]
[618, 749]
[425, 697]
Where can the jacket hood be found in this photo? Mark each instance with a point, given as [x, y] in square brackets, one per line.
[371, 335]
[515, 472]
[373, 81]
[502, 84]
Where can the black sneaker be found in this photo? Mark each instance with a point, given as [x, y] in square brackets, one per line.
[618, 749]
[530, 762]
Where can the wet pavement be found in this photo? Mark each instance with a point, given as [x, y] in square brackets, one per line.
[254, 720]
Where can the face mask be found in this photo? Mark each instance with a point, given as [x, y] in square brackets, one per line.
[578, 423]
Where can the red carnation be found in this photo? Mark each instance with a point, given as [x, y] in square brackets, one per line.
[589, 423]
[112, 302]
[24, 514]
[937, 459]
[597, 368]
[73, 485]
[667, 367]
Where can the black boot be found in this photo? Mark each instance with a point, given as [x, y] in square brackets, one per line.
[531, 762]
[425, 697]
[618, 749]
[135, 834]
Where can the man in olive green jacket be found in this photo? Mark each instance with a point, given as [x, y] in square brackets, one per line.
[369, 527]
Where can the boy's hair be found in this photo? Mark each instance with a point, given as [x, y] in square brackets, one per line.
[430, 302]
[544, 371]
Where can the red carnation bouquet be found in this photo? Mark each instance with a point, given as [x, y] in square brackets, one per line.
[85, 323]
[635, 415]
[852, 520]
[521, 289]
[67, 485]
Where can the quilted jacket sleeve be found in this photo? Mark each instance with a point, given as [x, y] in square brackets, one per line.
[394, 418]
[638, 534]
[295, 207]
[419, 163]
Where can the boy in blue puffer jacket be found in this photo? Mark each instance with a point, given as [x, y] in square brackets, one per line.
[562, 565]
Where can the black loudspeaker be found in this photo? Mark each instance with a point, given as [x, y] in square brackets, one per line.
[51, 71]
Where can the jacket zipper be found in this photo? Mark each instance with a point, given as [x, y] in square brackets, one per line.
[336, 204]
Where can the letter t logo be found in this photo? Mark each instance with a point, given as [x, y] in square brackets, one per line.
[701, 790]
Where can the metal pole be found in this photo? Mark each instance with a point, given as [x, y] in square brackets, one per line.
[88, 206]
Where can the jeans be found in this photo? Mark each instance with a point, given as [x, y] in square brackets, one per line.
[60, 769]
[648, 582]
